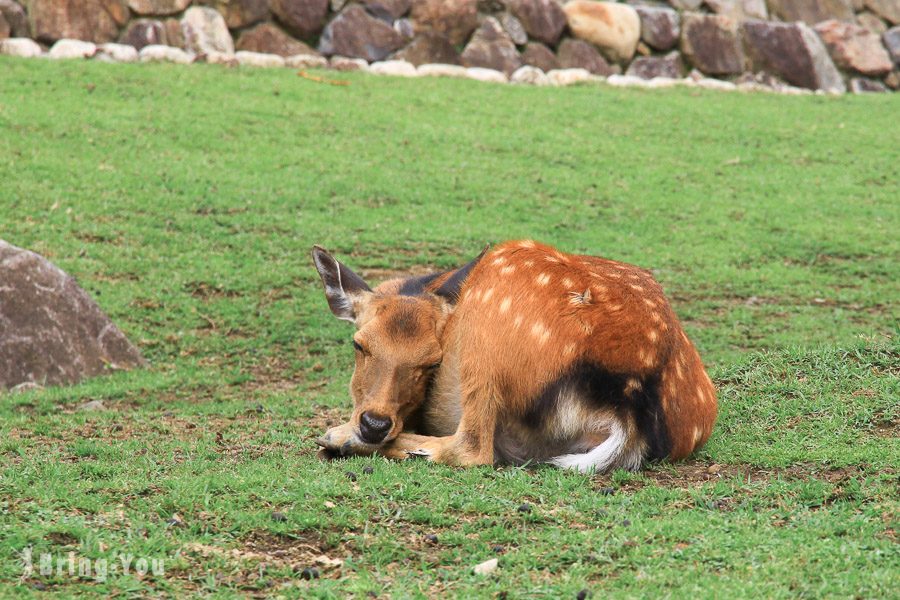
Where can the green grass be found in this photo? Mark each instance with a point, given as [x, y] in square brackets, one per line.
[185, 200]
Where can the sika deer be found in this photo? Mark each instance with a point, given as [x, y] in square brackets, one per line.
[524, 354]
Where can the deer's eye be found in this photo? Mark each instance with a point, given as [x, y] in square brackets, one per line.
[358, 346]
[433, 367]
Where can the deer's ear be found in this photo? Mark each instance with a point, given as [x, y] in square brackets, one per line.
[451, 288]
[343, 288]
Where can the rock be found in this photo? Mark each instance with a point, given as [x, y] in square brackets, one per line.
[120, 53]
[487, 75]
[93, 405]
[544, 20]
[861, 85]
[491, 48]
[711, 43]
[95, 21]
[158, 7]
[22, 47]
[394, 68]
[660, 27]
[387, 10]
[487, 567]
[219, 58]
[16, 19]
[891, 39]
[440, 70]
[514, 29]
[614, 28]
[64, 49]
[258, 59]
[686, 4]
[205, 31]
[854, 48]
[871, 22]
[51, 331]
[240, 13]
[739, 9]
[428, 48]
[306, 61]
[144, 32]
[405, 28]
[452, 19]
[892, 80]
[303, 18]
[538, 55]
[564, 77]
[174, 34]
[157, 53]
[715, 84]
[269, 39]
[793, 52]
[576, 54]
[345, 63]
[648, 67]
[5, 28]
[812, 11]
[529, 75]
[355, 33]
[889, 10]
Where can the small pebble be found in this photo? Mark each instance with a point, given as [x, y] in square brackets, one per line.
[431, 538]
[626, 523]
[350, 475]
[309, 573]
[487, 567]
[498, 549]
[259, 409]
[279, 517]
[525, 508]
[368, 470]
[582, 595]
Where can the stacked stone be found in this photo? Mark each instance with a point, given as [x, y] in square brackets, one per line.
[823, 45]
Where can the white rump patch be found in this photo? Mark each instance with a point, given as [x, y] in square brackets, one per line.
[614, 452]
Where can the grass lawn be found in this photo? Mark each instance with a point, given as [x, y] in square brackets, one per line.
[186, 199]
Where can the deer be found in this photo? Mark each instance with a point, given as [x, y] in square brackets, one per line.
[524, 355]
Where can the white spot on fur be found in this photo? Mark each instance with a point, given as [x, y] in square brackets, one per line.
[632, 385]
[507, 270]
[543, 279]
[567, 283]
[636, 287]
[487, 294]
[652, 335]
[569, 349]
[528, 263]
[649, 302]
[678, 372]
[698, 434]
[646, 357]
[499, 261]
[518, 321]
[526, 244]
[540, 331]
[504, 306]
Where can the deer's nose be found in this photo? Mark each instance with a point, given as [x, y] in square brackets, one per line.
[373, 428]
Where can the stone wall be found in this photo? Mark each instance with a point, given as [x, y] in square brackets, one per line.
[829, 45]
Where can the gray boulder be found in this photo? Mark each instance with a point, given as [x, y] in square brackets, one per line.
[51, 332]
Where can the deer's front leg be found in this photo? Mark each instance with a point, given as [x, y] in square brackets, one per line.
[342, 441]
[472, 444]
